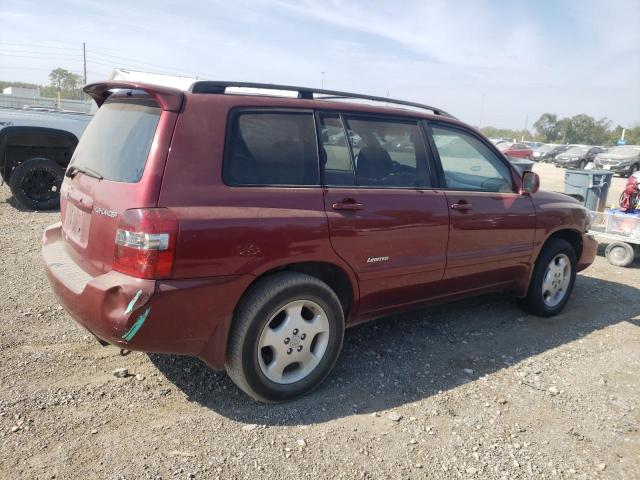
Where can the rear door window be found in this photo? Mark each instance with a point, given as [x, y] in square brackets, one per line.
[117, 141]
[271, 148]
[375, 152]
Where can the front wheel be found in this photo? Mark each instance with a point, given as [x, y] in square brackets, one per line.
[552, 281]
[285, 338]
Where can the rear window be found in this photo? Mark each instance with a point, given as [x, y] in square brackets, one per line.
[117, 141]
[268, 148]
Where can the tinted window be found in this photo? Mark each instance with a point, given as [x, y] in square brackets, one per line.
[383, 153]
[271, 149]
[469, 164]
[117, 141]
[338, 168]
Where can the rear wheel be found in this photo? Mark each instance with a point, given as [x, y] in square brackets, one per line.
[552, 280]
[285, 338]
[36, 182]
[620, 254]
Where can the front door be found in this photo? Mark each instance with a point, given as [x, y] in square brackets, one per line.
[385, 219]
[492, 226]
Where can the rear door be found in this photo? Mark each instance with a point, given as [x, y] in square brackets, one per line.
[117, 165]
[492, 225]
[385, 218]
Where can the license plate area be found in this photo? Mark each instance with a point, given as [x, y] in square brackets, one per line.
[76, 225]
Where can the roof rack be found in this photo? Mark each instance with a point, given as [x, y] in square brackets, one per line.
[208, 86]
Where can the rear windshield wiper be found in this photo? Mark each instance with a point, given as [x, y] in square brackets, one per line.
[73, 171]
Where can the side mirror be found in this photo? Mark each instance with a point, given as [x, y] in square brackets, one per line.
[530, 183]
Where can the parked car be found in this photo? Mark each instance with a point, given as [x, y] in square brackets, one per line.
[541, 151]
[36, 145]
[516, 150]
[557, 150]
[229, 228]
[623, 159]
[578, 156]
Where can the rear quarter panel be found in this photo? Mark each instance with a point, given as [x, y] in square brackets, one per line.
[235, 230]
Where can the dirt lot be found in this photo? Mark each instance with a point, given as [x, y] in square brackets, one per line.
[476, 389]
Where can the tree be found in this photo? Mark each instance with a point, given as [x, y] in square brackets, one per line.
[547, 127]
[505, 133]
[631, 135]
[68, 84]
[585, 129]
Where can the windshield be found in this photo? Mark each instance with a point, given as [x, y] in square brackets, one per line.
[625, 150]
[577, 151]
[116, 143]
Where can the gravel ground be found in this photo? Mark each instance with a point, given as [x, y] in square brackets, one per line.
[476, 389]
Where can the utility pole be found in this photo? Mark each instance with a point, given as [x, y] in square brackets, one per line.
[526, 124]
[84, 59]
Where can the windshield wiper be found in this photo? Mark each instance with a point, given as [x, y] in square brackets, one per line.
[73, 171]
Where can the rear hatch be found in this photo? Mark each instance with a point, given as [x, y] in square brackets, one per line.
[117, 166]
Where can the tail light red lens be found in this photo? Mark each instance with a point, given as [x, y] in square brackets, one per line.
[146, 242]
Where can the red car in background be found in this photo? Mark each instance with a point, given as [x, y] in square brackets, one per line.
[518, 150]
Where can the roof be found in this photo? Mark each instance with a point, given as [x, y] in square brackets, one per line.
[264, 95]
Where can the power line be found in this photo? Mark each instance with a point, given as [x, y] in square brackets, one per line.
[137, 62]
[42, 69]
[40, 52]
[145, 68]
[45, 57]
[37, 46]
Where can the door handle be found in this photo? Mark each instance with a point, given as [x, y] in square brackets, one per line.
[348, 204]
[463, 207]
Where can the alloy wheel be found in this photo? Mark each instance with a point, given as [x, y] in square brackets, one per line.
[556, 280]
[293, 342]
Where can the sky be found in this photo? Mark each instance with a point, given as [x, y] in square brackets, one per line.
[501, 63]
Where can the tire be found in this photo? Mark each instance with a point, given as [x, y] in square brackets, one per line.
[582, 164]
[541, 298]
[257, 325]
[634, 168]
[620, 254]
[36, 182]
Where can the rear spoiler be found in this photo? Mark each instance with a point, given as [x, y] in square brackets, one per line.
[168, 98]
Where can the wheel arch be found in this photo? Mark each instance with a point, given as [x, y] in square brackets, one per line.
[570, 235]
[20, 143]
[330, 273]
[573, 237]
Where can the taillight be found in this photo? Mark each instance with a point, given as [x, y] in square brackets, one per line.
[146, 242]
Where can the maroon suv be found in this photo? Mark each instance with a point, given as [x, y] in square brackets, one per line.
[249, 230]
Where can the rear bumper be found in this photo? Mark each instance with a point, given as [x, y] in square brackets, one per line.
[187, 317]
[589, 251]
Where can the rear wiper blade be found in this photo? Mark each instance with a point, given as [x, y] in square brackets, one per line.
[73, 171]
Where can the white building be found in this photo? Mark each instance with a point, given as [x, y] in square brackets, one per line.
[22, 92]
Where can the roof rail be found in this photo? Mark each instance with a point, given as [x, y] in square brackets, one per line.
[209, 86]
